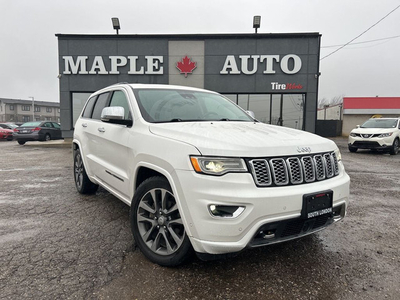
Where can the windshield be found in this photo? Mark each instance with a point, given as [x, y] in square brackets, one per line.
[157, 106]
[31, 124]
[380, 123]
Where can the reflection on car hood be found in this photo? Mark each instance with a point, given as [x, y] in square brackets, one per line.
[373, 130]
[244, 139]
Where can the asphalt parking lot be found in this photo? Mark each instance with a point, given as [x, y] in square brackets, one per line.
[58, 244]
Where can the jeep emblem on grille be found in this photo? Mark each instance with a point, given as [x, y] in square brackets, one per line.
[304, 149]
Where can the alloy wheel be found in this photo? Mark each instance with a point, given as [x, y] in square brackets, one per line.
[159, 222]
[78, 170]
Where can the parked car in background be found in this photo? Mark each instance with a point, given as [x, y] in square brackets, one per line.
[11, 126]
[376, 134]
[37, 131]
[6, 134]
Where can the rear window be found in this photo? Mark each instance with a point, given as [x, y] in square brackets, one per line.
[87, 113]
[31, 124]
[100, 104]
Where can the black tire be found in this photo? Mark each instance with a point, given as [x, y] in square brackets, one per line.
[82, 181]
[157, 225]
[395, 147]
[21, 142]
[353, 149]
[47, 137]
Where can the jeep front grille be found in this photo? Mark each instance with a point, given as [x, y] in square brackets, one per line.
[284, 171]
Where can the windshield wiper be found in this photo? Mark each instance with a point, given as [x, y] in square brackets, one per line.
[176, 120]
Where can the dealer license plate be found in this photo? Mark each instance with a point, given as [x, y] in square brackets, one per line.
[317, 204]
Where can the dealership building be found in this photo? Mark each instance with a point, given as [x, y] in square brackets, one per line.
[273, 75]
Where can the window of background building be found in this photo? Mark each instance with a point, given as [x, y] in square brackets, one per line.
[26, 119]
[48, 109]
[26, 107]
[11, 107]
[37, 108]
[78, 101]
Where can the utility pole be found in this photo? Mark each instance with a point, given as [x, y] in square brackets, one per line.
[33, 107]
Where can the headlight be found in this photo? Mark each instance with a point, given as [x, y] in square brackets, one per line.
[353, 134]
[338, 154]
[385, 135]
[217, 165]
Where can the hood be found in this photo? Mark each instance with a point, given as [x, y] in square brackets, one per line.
[243, 139]
[373, 130]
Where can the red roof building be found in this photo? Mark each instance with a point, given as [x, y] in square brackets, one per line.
[371, 105]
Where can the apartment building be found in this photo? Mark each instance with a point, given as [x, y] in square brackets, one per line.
[21, 111]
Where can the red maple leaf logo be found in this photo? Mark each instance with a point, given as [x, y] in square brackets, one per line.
[186, 66]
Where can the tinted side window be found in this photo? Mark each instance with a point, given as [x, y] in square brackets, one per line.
[119, 99]
[100, 104]
[56, 125]
[87, 113]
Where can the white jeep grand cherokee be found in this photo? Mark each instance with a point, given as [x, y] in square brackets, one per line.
[201, 174]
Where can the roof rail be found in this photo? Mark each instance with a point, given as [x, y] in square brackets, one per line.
[119, 83]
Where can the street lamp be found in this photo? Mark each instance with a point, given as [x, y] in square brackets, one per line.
[115, 22]
[256, 22]
[33, 107]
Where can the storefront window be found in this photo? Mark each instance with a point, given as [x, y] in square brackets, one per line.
[78, 101]
[293, 110]
[277, 109]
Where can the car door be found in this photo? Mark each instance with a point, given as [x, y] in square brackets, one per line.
[88, 133]
[47, 128]
[114, 154]
[57, 130]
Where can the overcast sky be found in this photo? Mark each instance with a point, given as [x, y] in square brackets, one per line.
[28, 46]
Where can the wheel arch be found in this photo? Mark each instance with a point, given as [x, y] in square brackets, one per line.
[76, 146]
[146, 170]
[144, 173]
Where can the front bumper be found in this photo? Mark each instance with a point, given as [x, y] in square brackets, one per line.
[7, 137]
[371, 143]
[266, 209]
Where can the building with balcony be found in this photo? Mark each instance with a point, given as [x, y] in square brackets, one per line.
[21, 111]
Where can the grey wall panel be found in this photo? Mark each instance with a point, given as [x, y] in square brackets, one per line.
[142, 47]
[230, 46]
[92, 47]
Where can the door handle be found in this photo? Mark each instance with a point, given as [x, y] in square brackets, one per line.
[101, 129]
[84, 125]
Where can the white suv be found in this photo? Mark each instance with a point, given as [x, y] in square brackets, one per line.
[201, 174]
[376, 134]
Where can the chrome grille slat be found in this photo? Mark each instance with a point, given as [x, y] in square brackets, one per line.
[284, 171]
[261, 171]
[320, 167]
[279, 171]
[295, 172]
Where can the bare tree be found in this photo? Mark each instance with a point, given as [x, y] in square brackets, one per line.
[325, 102]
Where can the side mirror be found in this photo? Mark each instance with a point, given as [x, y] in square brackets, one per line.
[358, 126]
[251, 114]
[116, 115]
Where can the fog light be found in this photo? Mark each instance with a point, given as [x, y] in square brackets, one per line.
[225, 211]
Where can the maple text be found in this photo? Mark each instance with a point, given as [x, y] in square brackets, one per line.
[152, 66]
[289, 64]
